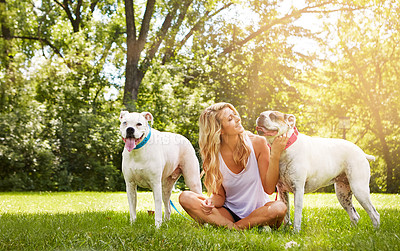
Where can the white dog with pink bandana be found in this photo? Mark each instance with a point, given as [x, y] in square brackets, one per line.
[309, 163]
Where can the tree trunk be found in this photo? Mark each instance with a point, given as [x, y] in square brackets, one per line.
[134, 73]
[373, 104]
[390, 183]
[133, 78]
[5, 31]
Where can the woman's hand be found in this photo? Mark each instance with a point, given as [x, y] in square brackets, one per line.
[207, 206]
[279, 144]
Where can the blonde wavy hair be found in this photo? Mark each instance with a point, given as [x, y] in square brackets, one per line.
[210, 142]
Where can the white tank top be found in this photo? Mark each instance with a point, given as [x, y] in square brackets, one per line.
[244, 191]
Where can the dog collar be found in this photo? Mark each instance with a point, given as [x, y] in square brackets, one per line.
[292, 138]
[144, 141]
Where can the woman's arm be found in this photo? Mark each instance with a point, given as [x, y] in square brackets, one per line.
[268, 162]
[216, 200]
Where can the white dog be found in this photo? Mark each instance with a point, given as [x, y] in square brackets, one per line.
[155, 160]
[310, 163]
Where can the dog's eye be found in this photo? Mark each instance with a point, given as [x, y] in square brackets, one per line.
[124, 123]
[139, 124]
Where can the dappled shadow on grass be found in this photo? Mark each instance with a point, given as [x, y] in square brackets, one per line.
[325, 228]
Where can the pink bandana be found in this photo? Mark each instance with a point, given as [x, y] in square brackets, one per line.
[292, 138]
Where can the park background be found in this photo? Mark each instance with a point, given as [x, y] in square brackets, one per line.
[68, 68]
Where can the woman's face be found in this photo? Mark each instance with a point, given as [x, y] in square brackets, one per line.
[231, 122]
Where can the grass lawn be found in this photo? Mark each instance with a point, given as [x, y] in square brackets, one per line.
[100, 221]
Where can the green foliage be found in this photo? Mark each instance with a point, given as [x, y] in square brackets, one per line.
[58, 123]
[26, 161]
[63, 138]
[83, 126]
[359, 79]
[58, 131]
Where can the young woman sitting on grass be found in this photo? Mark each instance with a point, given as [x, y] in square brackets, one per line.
[239, 173]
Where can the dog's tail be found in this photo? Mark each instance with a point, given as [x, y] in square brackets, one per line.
[370, 157]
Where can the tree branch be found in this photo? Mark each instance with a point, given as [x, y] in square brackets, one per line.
[195, 27]
[295, 14]
[93, 5]
[201, 20]
[61, 5]
[77, 16]
[167, 25]
[75, 22]
[144, 29]
[161, 34]
[130, 21]
[171, 40]
[41, 40]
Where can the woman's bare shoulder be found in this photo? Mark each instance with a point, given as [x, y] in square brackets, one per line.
[256, 140]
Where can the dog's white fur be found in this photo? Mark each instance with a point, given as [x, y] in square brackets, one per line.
[157, 165]
[311, 163]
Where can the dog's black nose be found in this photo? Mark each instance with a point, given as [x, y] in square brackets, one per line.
[130, 132]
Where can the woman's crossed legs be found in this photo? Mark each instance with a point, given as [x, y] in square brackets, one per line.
[271, 214]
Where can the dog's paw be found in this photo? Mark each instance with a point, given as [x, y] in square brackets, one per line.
[158, 224]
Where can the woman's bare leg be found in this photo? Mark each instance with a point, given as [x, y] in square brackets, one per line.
[191, 202]
[271, 214]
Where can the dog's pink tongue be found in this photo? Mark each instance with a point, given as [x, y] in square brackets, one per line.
[270, 133]
[263, 131]
[130, 144]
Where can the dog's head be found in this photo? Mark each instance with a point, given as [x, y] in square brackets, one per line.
[272, 124]
[134, 127]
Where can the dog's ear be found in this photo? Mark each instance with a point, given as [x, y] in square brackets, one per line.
[121, 116]
[291, 120]
[148, 117]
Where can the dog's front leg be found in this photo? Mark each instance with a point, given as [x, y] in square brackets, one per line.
[298, 207]
[131, 190]
[285, 199]
[157, 194]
